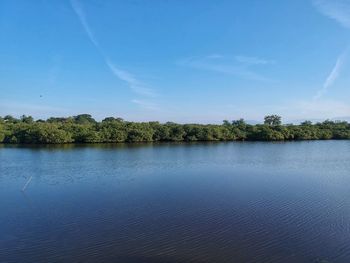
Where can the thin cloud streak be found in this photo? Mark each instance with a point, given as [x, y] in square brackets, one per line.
[82, 18]
[338, 10]
[145, 104]
[231, 67]
[133, 83]
[325, 108]
[215, 56]
[253, 60]
[332, 77]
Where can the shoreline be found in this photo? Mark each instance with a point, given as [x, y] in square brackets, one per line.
[142, 143]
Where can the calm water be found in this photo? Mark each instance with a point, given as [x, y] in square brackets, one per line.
[205, 202]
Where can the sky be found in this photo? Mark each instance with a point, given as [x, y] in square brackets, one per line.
[185, 61]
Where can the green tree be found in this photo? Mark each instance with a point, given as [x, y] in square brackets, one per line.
[10, 119]
[46, 133]
[113, 130]
[84, 119]
[112, 119]
[176, 132]
[84, 133]
[266, 133]
[272, 120]
[160, 132]
[84, 129]
[27, 119]
[239, 123]
[306, 123]
[139, 132]
[2, 133]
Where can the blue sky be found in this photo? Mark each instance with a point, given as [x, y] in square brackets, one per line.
[176, 60]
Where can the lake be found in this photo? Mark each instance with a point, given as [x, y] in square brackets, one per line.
[169, 202]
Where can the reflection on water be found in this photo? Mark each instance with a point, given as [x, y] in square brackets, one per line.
[199, 202]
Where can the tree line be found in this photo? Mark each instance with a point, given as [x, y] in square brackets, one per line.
[84, 129]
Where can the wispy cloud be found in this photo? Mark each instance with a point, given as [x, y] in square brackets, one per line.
[323, 109]
[133, 83]
[320, 107]
[239, 66]
[333, 75]
[145, 104]
[338, 10]
[82, 18]
[215, 56]
[253, 60]
[317, 109]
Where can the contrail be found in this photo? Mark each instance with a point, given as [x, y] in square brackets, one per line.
[135, 85]
[333, 75]
[82, 18]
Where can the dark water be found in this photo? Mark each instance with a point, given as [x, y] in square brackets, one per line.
[210, 202]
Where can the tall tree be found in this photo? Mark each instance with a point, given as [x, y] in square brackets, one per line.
[272, 120]
[84, 119]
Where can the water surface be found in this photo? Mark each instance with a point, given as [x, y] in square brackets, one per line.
[201, 202]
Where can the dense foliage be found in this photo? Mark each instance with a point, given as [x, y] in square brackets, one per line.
[84, 129]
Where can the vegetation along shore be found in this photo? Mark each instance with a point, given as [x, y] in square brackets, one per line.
[84, 129]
